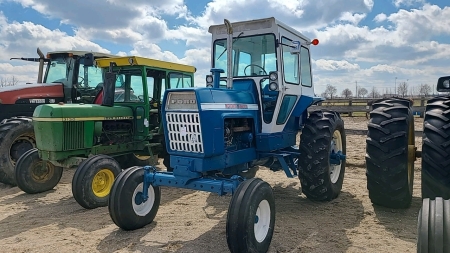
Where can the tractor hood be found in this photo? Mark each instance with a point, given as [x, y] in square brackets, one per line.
[36, 93]
[81, 112]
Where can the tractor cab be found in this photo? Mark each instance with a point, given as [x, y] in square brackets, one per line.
[269, 58]
[75, 70]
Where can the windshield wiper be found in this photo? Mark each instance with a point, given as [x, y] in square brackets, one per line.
[232, 43]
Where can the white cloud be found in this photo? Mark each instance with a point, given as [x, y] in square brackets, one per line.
[380, 17]
[402, 44]
[332, 65]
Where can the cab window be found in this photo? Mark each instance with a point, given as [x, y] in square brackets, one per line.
[179, 80]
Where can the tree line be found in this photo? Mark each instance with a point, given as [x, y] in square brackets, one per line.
[8, 81]
[403, 90]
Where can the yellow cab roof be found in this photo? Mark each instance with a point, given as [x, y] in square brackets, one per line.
[142, 61]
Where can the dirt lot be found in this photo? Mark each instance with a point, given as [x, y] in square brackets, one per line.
[190, 221]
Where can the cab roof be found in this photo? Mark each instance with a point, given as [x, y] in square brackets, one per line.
[82, 53]
[142, 61]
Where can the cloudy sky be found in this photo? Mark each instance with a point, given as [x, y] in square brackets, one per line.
[371, 42]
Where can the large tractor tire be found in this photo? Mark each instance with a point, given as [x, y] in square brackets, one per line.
[433, 228]
[323, 135]
[390, 153]
[130, 160]
[16, 137]
[436, 149]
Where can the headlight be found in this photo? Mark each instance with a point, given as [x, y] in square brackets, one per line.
[209, 79]
[273, 86]
[273, 76]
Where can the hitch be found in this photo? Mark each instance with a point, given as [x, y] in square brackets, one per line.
[336, 158]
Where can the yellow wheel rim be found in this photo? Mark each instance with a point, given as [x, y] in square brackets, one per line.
[411, 153]
[102, 183]
[142, 157]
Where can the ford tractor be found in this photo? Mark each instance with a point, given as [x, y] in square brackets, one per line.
[120, 129]
[66, 78]
[218, 135]
[390, 154]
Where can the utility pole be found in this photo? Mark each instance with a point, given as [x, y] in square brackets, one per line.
[395, 87]
[356, 91]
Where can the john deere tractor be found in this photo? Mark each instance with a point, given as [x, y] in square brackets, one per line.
[390, 155]
[66, 78]
[125, 127]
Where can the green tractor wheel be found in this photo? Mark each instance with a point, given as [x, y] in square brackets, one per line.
[92, 181]
[130, 160]
[33, 175]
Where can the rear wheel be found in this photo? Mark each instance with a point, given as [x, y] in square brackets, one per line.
[33, 175]
[390, 153]
[130, 160]
[322, 137]
[92, 181]
[433, 228]
[127, 208]
[435, 149]
[16, 137]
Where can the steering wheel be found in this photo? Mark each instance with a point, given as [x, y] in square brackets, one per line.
[245, 69]
[82, 80]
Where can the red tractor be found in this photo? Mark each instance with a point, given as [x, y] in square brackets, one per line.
[69, 76]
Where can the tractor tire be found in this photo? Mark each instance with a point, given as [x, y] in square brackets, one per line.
[433, 228]
[322, 134]
[251, 217]
[16, 137]
[131, 160]
[92, 181]
[126, 208]
[390, 153]
[34, 175]
[435, 149]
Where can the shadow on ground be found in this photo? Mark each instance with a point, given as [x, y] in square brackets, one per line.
[402, 223]
[302, 225]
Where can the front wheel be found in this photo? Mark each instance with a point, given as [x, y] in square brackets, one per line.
[33, 175]
[251, 217]
[126, 206]
[92, 181]
[321, 164]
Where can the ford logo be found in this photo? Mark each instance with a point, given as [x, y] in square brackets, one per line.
[183, 101]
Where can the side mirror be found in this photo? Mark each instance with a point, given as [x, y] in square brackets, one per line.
[295, 47]
[88, 60]
[443, 84]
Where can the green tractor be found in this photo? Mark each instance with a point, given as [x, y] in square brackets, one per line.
[63, 77]
[390, 154]
[121, 129]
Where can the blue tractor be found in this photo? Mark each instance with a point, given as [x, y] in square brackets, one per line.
[218, 136]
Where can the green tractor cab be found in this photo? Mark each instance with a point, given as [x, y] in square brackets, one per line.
[121, 129]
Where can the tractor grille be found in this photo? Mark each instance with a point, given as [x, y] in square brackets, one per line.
[184, 132]
[73, 135]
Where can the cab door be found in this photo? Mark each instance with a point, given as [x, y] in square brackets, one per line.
[289, 81]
